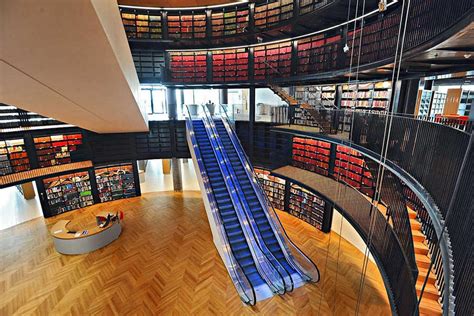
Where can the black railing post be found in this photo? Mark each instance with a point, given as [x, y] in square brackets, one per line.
[31, 150]
[251, 26]
[294, 58]
[209, 76]
[164, 25]
[166, 75]
[296, 8]
[94, 188]
[327, 216]
[208, 24]
[287, 195]
[332, 159]
[251, 67]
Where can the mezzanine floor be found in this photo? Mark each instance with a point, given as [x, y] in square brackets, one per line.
[165, 263]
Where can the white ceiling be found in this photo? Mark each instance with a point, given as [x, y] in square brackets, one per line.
[69, 60]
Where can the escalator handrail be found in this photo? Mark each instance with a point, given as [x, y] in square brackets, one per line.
[281, 271]
[265, 268]
[281, 234]
[240, 280]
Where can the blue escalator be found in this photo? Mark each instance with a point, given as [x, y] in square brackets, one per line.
[232, 227]
[252, 199]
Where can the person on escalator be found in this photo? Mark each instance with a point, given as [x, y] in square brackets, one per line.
[211, 107]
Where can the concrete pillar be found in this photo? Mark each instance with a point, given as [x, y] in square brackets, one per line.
[171, 103]
[166, 165]
[223, 96]
[27, 190]
[177, 178]
[142, 165]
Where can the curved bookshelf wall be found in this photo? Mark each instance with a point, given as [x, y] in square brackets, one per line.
[215, 22]
[320, 55]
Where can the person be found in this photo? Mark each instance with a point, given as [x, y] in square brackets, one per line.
[211, 107]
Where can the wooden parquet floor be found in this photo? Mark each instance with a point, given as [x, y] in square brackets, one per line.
[165, 263]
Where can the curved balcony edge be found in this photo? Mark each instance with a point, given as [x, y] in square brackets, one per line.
[388, 279]
[423, 195]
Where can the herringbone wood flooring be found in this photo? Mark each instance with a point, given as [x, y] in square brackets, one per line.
[165, 263]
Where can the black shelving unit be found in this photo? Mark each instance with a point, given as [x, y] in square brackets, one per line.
[230, 21]
[351, 168]
[56, 149]
[465, 103]
[115, 182]
[67, 192]
[142, 25]
[425, 103]
[370, 95]
[306, 206]
[13, 156]
[274, 188]
[190, 25]
[291, 198]
[272, 12]
[313, 155]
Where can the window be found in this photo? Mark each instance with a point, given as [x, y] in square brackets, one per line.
[153, 98]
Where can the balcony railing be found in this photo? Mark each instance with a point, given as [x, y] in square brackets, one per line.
[433, 157]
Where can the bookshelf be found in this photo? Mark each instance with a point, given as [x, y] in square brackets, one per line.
[115, 182]
[272, 12]
[317, 53]
[149, 64]
[190, 25]
[311, 154]
[308, 6]
[293, 199]
[142, 25]
[437, 104]
[230, 65]
[306, 206]
[371, 95]
[425, 103]
[351, 168]
[272, 61]
[230, 21]
[188, 66]
[13, 156]
[302, 117]
[314, 95]
[274, 188]
[68, 192]
[56, 149]
[465, 103]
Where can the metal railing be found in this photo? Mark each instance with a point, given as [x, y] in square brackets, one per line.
[431, 154]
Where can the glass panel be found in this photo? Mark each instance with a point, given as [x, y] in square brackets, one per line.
[145, 100]
[269, 106]
[159, 101]
[238, 104]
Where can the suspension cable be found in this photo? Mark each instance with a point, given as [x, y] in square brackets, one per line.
[387, 128]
